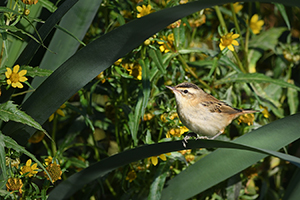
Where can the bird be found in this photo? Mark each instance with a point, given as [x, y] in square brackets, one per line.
[203, 114]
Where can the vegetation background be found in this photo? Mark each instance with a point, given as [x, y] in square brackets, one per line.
[85, 113]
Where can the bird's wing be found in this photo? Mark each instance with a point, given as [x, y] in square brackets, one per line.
[214, 105]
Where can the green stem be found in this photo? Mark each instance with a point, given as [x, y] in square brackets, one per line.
[239, 62]
[236, 23]
[53, 144]
[160, 133]
[111, 189]
[221, 19]
[185, 65]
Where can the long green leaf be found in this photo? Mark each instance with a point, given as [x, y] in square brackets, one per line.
[10, 143]
[157, 59]
[223, 163]
[96, 57]
[272, 136]
[293, 190]
[77, 21]
[2, 160]
[255, 78]
[9, 111]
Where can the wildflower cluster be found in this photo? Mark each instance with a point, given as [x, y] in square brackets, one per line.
[110, 98]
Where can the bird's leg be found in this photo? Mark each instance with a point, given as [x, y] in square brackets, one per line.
[188, 136]
[220, 132]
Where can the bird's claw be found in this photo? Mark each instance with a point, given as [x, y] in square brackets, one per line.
[188, 136]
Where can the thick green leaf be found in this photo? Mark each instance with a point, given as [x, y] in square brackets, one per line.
[48, 5]
[156, 56]
[255, 78]
[77, 20]
[134, 118]
[272, 136]
[12, 144]
[206, 172]
[293, 190]
[2, 161]
[283, 13]
[293, 100]
[94, 58]
[36, 71]
[159, 181]
[32, 47]
[10, 112]
[267, 40]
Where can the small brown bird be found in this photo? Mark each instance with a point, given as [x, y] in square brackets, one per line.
[202, 113]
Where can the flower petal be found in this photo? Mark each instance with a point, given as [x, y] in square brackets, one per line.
[16, 68]
[260, 23]
[234, 36]
[8, 72]
[22, 72]
[254, 18]
[235, 43]
[18, 84]
[163, 157]
[23, 79]
[51, 117]
[154, 160]
[230, 47]
[28, 163]
[221, 47]
[60, 112]
[139, 8]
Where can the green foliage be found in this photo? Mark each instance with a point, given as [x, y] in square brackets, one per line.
[112, 119]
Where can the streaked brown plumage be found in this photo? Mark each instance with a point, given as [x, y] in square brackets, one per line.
[202, 113]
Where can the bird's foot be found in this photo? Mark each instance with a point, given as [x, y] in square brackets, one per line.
[188, 136]
[192, 134]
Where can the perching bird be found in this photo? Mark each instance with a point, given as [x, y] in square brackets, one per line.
[202, 113]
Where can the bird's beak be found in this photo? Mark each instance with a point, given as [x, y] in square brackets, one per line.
[172, 88]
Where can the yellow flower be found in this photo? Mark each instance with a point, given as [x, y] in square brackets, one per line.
[228, 40]
[237, 7]
[14, 184]
[177, 132]
[163, 117]
[265, 112]
[12, 162]
[30, 2]
[143, 10]
[173, 116]
[14, 78]
[175, 24]
[36, 137]
[247, 119]
[136, 71]
[167, 44]
[196, 22]
[58, 111]
[131, 176]
[147, 42]
[148, 116]
[28, 169]
[54, 171]
[183, 1]
[118, 62]
[48, 160]
[255, 24]
[154, 159]
[189, 157]
[101, 77]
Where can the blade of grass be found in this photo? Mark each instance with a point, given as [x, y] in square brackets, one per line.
[229, 161]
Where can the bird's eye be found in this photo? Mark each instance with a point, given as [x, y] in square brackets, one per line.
[185, 91]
